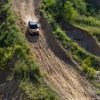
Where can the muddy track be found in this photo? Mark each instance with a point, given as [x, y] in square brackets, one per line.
[65, 80]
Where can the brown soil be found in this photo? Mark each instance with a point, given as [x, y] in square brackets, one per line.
[62, 77]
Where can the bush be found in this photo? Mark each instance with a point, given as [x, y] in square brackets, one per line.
[37, 92]
[80, 5]
[89, 70]
[21, 70]
[6, 55]
[70, 14]
[27, 71]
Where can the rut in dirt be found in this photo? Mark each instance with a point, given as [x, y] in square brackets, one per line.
[62, 77]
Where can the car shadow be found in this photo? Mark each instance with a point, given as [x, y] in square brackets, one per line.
[33, 38]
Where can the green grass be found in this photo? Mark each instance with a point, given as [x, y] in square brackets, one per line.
[90, 71]
[5, 55]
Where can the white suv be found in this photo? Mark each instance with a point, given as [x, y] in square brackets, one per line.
[33, 27]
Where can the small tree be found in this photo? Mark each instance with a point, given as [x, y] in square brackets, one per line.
[80, 5]
[69, 13]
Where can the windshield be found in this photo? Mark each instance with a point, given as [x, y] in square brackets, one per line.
[33, 26]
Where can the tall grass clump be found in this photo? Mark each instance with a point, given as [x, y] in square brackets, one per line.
[37, 92]
[90, 71]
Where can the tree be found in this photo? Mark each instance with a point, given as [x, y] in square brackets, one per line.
[69, 13]
[80, 5]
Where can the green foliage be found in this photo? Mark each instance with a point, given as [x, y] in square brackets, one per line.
[21, 69]
[37, 92]
[69, 13]
[6, 55]
[62, 37]
[93, 6]
[72, 10]
[58, 9]
[49, 5]
[29, 71]
[76, 58]
[90, 71]
[80, 5]
[7, 43]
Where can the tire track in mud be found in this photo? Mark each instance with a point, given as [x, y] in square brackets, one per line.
[62, 77]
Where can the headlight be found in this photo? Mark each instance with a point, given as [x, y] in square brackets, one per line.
[37, 29]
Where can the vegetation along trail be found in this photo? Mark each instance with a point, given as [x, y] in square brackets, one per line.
[62, 77]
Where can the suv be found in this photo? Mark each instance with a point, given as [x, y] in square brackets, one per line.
[33, 27]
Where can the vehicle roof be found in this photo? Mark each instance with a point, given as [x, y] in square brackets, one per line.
[32, 22]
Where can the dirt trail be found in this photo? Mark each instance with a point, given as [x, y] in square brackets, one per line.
[64, 78]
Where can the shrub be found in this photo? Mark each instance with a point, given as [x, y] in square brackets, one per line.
[6, 55]
[80, 5]
[69, 13]
[34, 72]
[37, 92]
[89, 70]
[23, 70]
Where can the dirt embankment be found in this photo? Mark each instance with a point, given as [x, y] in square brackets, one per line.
[83, 38]
[61, 75]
